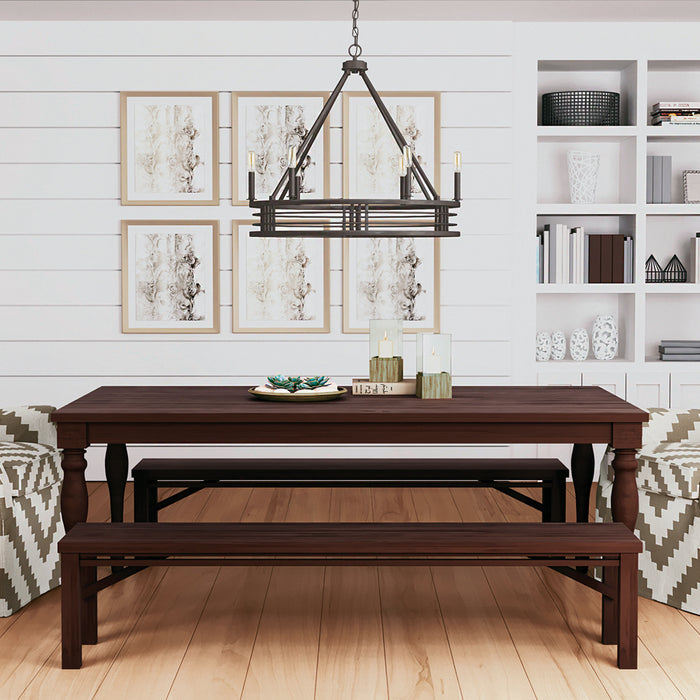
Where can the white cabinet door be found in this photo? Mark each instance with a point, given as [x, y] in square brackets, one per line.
[614, 382]
[649, 389]
[685, 390]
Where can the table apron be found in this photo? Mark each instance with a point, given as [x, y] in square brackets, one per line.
[356, 432]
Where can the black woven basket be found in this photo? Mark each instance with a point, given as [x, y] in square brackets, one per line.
[581, 108]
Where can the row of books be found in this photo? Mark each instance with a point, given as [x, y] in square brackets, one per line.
[679, 350]
[663, 113]
[567, 255]
[659, 179]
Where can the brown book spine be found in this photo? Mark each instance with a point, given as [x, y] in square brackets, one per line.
[618, 259]
[594, 259]
[606, 258]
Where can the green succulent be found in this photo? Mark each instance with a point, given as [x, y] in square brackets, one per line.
[292, 384]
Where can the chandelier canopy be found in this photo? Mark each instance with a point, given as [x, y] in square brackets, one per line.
[285, 213]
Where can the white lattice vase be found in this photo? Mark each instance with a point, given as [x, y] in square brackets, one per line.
[583, 176]
[579, 344]
[558, 345]
[605, 338]
[543, 347]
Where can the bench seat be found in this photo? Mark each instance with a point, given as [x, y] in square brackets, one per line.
[137, 545]
[505, 475]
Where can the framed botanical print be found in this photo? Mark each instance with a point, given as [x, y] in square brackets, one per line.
[370, 153]
[170, 276]
[268, 124]
[391, 278]
[280, 285]
[170, 148]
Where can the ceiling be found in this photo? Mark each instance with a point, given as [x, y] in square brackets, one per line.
[515, 10]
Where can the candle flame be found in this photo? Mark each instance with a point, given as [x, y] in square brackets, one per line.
[433, 351]
[385, 338]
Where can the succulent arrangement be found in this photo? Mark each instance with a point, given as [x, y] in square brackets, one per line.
[293, 384]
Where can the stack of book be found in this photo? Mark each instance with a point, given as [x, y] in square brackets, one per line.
[680, 350]
[664, 113]
[567, 255]
[658, 179]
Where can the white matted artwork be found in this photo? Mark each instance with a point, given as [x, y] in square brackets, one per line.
[280, 285]
[268, 124]
[370, 153]
[170, 148]
[391, 278]
[170, 276]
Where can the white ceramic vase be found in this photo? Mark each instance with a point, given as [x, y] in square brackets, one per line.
[605, 337]
[543, 347]
[558, 345]
[579, 344]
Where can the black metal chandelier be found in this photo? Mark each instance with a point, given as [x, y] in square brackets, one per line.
[286, 214]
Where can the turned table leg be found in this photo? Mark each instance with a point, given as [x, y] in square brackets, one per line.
[582, 467]
[625, 499]
[74, 494]
[116, 470]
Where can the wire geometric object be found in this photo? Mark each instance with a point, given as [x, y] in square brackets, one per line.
[286, 214]
[652, 271]
[674, 271]
[583, 176]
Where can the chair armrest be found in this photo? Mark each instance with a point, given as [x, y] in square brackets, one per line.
[28, 424]
[671, 425]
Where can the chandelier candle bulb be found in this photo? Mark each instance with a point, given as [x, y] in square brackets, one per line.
[458, 161]
[385, 350]
[251, 176]
[408, 161]
[293, 180]
[458, 175]
[403, 179]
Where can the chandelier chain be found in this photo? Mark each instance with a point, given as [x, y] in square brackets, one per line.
[355, 50]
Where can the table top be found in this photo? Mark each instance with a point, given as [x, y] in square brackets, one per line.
[233, 404]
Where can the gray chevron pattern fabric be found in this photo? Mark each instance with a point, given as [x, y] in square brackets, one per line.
[30, 516]
[668, 483]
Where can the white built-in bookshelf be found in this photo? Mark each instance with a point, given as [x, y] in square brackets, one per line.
[646, 313]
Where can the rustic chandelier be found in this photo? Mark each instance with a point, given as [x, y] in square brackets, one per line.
[285, 213]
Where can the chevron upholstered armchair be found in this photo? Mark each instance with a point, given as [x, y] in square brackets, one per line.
[30, 516]
[668, 482]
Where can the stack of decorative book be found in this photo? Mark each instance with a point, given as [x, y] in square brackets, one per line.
[679, 350]
[658, 179]
[665, 113]
[566, 255]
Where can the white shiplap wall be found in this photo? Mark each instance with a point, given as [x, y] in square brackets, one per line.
[60, 330]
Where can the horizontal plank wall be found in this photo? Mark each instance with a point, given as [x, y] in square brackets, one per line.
[60, 330]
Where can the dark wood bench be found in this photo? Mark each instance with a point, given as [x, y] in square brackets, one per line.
[137, 545]
[192, 475]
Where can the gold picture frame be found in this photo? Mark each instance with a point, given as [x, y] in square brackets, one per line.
[153, 256]
[385, 150]
[181, 173]
[377, 289]
[313, 250]
[278, 149]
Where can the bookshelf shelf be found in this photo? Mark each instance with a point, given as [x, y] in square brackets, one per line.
[646, 313]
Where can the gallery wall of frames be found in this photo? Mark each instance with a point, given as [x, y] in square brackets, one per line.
[123, 161]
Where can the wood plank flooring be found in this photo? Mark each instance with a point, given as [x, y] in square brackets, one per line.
[366, 633]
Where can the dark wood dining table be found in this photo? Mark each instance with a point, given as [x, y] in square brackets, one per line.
[160, 415]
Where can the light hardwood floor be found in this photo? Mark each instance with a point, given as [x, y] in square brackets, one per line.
[368, 633]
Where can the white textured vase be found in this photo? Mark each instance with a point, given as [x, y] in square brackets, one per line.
[579, 344]
[583, 176]
[605, 338]
[543, 347]
[558, 345]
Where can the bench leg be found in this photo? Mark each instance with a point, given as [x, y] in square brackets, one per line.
[610, 606]
[582, 468]
[627, 609]
[71, 650]
[547, 498]
[140, 499]
[152, 503]
[559, 499]
[88, 611]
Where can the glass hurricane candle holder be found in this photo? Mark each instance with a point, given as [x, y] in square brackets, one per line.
[434, 366]
[386, 350]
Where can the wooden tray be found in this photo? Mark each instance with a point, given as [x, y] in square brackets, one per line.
[321, 396]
